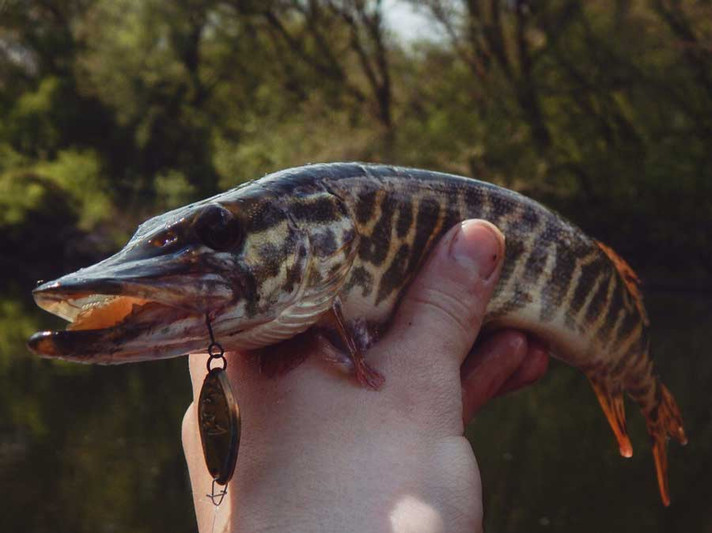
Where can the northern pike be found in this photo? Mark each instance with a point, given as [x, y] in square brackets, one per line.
[332, 247]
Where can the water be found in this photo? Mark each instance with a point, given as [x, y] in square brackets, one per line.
[97, 449]
[90, 448]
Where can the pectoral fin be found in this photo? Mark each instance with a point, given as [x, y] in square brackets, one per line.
[334, 322]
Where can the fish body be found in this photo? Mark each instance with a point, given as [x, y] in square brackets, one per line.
[334, 247]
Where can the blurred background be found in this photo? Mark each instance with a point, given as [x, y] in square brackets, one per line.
[115, 110]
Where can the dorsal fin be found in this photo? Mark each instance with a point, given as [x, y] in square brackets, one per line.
[630, 278]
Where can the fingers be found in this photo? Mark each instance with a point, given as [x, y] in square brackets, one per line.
[533, 367]
[505, 361]
[484, 372]
[442, 311]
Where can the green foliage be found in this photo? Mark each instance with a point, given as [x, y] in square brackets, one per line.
[601, 110]
[37, 219]
[79, 174]
[10, 158]
[173, 190]
[20, 194]
[45, 210]
[15, 327]
[32, 120]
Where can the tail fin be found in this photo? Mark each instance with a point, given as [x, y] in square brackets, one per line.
[656, 402]
[664, 421]
[661, 413]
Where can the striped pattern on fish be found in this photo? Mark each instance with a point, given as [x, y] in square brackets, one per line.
[330, 249]
[556, 282]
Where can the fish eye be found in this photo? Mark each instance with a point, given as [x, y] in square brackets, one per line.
[217, 228]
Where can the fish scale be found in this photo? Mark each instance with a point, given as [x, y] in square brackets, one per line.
[330, 249]
[555, 282]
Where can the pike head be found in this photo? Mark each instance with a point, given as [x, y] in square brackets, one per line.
[243, 258]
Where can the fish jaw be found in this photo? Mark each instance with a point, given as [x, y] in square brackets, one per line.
[160, 333]
[136, 310]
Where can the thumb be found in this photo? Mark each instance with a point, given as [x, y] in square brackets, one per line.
[443, 310]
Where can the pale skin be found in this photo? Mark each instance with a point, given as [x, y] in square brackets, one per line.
[321, 454]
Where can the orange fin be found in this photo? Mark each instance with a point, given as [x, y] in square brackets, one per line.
[663, 422]
[365, 374]
[631, 279]
[613, 408]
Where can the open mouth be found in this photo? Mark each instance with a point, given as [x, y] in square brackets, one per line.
[101, 312]
[104, 327]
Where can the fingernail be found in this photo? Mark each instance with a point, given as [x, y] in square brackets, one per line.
[478, 245]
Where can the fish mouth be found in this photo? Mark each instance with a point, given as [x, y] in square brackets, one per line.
[114, 322]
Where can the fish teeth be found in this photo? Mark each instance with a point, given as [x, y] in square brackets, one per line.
[81, 305]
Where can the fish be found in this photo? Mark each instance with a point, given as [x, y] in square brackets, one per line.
[329, 249]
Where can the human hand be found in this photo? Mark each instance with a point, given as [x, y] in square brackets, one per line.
[320, 453]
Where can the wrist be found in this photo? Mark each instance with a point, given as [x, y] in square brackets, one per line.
[395, 484]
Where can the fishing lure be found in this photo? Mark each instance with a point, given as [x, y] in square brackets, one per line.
[218, 420]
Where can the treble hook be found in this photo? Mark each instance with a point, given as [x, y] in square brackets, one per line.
[219, 496]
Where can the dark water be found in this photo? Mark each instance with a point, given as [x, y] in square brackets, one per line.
[97, 449]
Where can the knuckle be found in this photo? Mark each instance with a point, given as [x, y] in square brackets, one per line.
[515, 340]
[464, 312]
